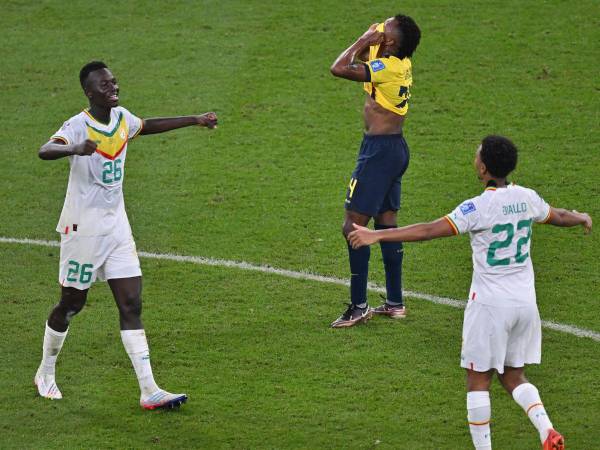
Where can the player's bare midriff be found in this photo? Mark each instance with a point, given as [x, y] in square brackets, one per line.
[379, 120]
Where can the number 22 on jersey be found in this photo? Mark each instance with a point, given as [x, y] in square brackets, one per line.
[509, 228]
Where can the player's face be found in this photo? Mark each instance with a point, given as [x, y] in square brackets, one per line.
[391, 31]
[102, 89]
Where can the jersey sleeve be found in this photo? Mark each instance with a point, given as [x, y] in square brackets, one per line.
[539, 208]
[382, 70]
[134, 124]
[67, 133]
[465, 217]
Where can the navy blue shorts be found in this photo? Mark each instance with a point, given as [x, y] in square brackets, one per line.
[376, 181]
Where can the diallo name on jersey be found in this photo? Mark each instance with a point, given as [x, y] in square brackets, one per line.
[515, 208]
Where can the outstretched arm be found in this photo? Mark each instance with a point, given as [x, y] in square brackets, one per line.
[348, 65]
[419, 232]
[565, 218]
[162, 124]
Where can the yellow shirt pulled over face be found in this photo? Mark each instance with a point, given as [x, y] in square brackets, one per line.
[391, 79]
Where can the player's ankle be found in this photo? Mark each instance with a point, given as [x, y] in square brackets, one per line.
[46, 372]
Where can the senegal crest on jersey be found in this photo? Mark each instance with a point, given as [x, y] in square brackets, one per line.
[110, 143]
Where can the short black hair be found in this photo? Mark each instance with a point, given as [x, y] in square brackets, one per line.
[411, 35]
[89, 68]
[499, 155]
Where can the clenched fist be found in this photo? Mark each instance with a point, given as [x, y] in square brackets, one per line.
[85, 148]
[208, 120]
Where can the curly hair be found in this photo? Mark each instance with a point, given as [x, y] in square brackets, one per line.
[89, 68]
[499, 155]
[411, 35]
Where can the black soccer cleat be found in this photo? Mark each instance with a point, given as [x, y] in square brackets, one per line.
[352, 316]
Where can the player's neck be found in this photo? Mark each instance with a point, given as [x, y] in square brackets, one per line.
[495, 182]
[99, 113]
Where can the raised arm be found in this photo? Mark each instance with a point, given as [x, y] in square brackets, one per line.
[565, 218]
[418, 232]
[55, 149]
[348, 65]
[162, 124]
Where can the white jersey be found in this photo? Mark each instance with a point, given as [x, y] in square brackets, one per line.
[499, 224]
[94, 202]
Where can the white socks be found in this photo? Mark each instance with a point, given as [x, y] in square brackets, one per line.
[479, 412]
[528, 398]
[136, 347]
[53, 342]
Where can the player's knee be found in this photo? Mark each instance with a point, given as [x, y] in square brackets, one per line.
[511, 379]
[72, 302]
[347, 229]
[479, 381]
[387, 219]
[63, 312]
[352, 218]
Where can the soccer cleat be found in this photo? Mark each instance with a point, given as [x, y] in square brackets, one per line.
[163, 400]
[554, 441]
[46, 386]
[393, 312]
[352, 316]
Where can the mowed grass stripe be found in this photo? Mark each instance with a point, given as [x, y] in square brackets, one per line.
[242, 265]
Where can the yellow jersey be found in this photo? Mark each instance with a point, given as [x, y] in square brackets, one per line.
[391, 79]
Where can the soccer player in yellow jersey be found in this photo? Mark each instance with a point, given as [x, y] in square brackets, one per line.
[380, 59]
[95, 236]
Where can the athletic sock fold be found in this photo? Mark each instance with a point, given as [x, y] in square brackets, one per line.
[136, 346]
[479, 412]
[528, 398]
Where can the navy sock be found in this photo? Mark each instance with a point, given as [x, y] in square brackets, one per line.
[359, 270]
[392, 253]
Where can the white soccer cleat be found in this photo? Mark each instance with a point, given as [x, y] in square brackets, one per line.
[46, 386]
[163, 399]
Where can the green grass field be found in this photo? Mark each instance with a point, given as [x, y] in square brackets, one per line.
[252, 350]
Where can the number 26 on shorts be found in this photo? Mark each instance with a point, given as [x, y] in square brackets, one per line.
[79, 272]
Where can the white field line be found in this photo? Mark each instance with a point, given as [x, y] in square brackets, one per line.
[564, 328]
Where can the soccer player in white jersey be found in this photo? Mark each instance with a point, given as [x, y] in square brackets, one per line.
[96, 239]
[502, 329]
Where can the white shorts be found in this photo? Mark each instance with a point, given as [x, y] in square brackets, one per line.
[85, 258]
[494, 337]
